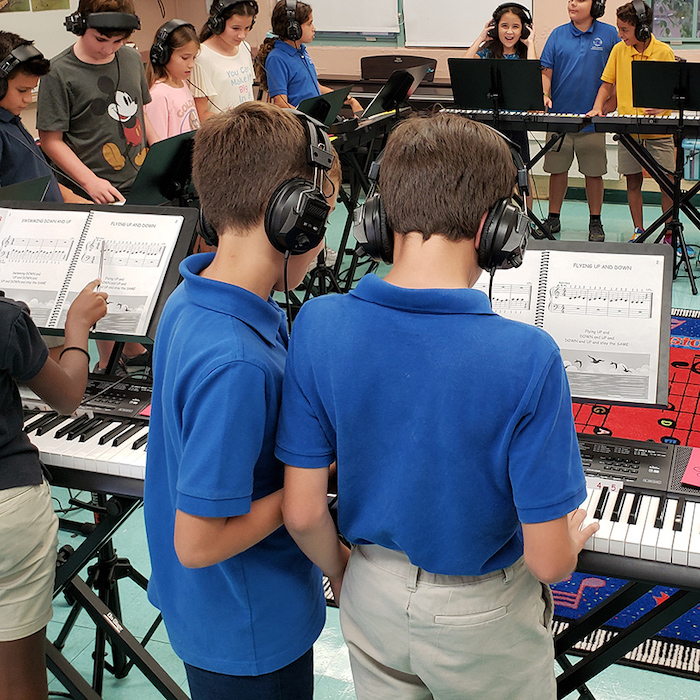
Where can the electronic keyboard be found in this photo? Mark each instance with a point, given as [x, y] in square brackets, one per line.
[526, 121]
[625, 124]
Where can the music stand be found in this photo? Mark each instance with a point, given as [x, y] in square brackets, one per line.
[325, 108]
[166, 173]
[397, 89]
[28, 191]
[667, 85]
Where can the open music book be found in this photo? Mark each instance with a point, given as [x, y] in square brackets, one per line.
[47, 256]
[607, 306]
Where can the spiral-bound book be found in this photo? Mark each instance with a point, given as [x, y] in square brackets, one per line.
[607, 306]
[47, 256]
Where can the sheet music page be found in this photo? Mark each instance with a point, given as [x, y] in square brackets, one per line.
[36, 248]
[604, 312]
[514, 293]
[137, 251]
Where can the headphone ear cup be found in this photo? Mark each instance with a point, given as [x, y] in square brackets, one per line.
[372, 231]
[503, 237]
[207, 231]
[3, 88]
[525, 31]
[215, 24]
[294, 31]
[296, 217]
[159, 54]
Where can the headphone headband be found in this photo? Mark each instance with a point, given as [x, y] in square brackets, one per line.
[526, 11]
[78, 23]
[216, 21]
[20, 54]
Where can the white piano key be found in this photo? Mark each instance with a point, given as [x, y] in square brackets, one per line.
[602, 537]
[590, 510]
[618, 533]
[681, 540]
[82, 451]
[664, 543]
[650, 534]
[694, 546]
[120, 459]
[634, 532]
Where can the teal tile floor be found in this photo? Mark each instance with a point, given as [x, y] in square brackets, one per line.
[332, 670]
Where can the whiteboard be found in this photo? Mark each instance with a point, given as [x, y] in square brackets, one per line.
[44, 28]
[448, 22]
[366, 16]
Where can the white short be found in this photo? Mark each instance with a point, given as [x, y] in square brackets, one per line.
[28, 543]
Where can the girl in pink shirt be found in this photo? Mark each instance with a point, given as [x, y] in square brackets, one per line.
[172, 110]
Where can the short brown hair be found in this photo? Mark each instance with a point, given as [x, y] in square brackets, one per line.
[88, 7]
[628, 14]
[37, 67]
[440, 174]
[240, 158]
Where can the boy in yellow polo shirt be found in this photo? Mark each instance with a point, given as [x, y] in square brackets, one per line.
[638, 44]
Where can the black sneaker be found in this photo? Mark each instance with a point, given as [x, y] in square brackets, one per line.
[550, 225]
[595, 232]
[145, 359]
[120, 370]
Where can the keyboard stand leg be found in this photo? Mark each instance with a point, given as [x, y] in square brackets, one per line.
[583, 692]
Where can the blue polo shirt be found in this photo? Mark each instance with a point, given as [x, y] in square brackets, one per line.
[450, 424]
[20, 157]
[291, 72]
[577, 60]
[218, 365]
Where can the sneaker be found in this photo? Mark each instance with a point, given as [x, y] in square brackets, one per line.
[120, 370]
[637, 233]
[145, 359]
[595, 232]
[550, 225]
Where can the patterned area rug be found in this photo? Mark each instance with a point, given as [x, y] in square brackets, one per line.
[676, 649]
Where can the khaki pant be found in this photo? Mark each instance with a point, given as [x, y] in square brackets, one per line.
[414, 635]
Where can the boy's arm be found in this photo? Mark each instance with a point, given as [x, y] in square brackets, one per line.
[605, 91]
[100, 190]
[547, 87]
[551, 548]
[62, 384]
[308, 521]
[201, 541]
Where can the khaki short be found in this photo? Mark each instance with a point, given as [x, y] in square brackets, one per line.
[28, 543]
[589, 148]
[661, 150]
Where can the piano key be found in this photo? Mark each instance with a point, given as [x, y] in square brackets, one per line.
[633, 540]
[77, 422]
[101, 457]
[664, 543]
[77, 431]
[694, 545]
[651, 533]
[58, 420]
[140, 442]
[660, 513]
[602, 501]
[108, 437]
[590, 510]
[634, 511]
[602, 537]
[615, 516]
[681, 540]
[618, 535]
[680, 509]
[38, 422]
[87, 433]
[82, 454]
[122, 437]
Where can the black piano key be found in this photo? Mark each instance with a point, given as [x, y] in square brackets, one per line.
[113, 433]
[77, 422]
[661, 512]
[42, 420]
[51, 424]
[127, 434]
[600, 508]
[88, 432]
[140, 442]
[634, 511]
[680, 513]
[78, 431]
[617, 508]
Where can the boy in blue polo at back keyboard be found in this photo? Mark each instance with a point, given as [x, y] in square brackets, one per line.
[459, 473]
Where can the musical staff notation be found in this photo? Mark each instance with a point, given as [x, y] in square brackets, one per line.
[35, 250]
[123, 253]
[593, 301]
[509, 297]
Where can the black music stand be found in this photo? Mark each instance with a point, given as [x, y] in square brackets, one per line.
[325, 108]
[666, 85]
[28, 191]
[497, 85]
[396, 91]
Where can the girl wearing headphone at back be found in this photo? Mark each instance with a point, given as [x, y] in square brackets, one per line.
[508, 34]
[172, 110]
[222, 77]
[283, 66]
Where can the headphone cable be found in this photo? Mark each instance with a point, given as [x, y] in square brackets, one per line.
[286, 293]
[196, 87]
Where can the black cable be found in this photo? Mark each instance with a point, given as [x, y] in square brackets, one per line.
[286, 293]
[492, 272]
[207, 96]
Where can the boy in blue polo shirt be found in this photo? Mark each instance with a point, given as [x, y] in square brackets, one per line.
[241, 603]
[572, 61]
[458, 468]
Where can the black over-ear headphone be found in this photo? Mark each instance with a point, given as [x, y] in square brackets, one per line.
[642, 31]
[527, 22]
[78, 23]
[597, 8]
[20, 54]
[161, 51]
[216, 21]
[293, 27]
[297, 213]
[503, 237]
